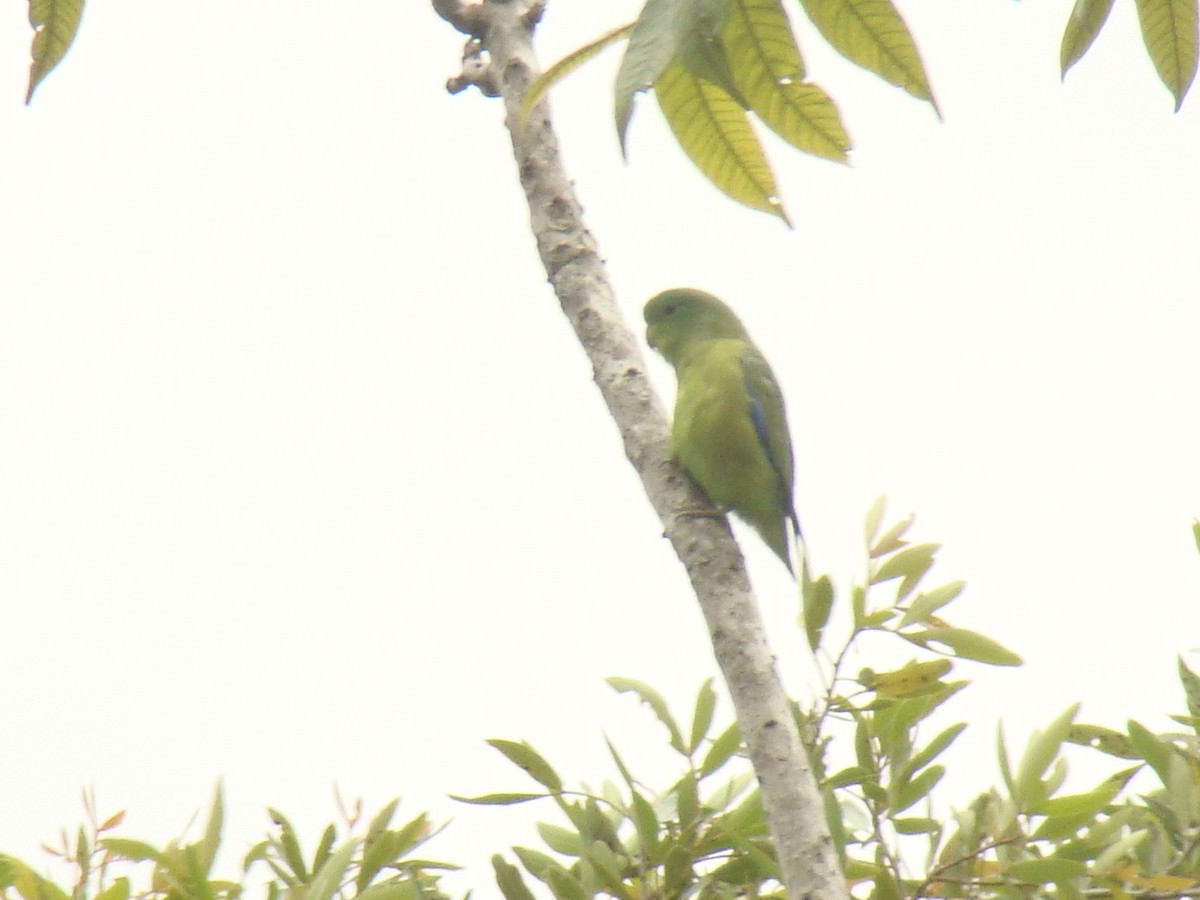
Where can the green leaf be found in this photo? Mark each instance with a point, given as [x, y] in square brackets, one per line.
[1073, 804]
[127, 848]
[325, 847]
[1042, 750]
[502, 799]
[608, 869]
[651, 46]
[920, 825]
[847, 776]
[1191, 687]
[55, 23]
[927, 603]
[208, 845]
[874, 518]
[1119, 850]
[118, 890]
[964, 644]
[911, 562]
[687, 800]
[1196, 532]
[561, 840]
[935, 748]
[858, 605]
[769, 74]
[1169, 30]
[817, 604]
[382, 848]
[564, 67]
[1087, 18]
[706, 703]
[538, 864]
[655, 701]
[32, 886]
[646, 823]
[715, 133]
[892, 539]
[1114, 743]
[288, 844]
[391, 890]
[1002, 760]
[1042, 871]
[528, 759]
[566, 886]
[328, 878]
[508, 879]
[870, 33]
[381, 820]
[1154, 751]
[721, 750]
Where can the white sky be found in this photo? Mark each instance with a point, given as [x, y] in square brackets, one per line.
[304, 479]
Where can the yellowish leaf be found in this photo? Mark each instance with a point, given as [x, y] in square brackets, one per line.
[870, 33]
[716, 134]
[55, 23]
[1169, 30]
[769, 72]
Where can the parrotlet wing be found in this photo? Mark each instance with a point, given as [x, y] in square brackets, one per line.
[770, 423]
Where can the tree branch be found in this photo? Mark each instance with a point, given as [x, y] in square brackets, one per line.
[792, 803]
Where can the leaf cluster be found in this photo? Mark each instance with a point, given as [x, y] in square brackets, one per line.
[715, 65]
[703, 834]
[373, 865]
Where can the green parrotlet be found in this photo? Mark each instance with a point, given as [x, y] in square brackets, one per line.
[730, 431]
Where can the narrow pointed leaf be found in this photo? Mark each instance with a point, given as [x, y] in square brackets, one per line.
[1154, 750]
[508, 879]
[965, 644]
[1087, 18]
[769, 74]
[118, 890]
[706, 703]
[721, 750]
[927, 603]
[561, 840]
[874, 518]
[208, 845]
[655, 701]
[816, 605]
[1191, 687]
[892, 539]
[1169, 30]
[1040, 871]
[499, 799]
[55, 23]
[1114, 743]
[871, 34]
[128, 848]
[565, 67]
[911, 562]
[328, 878]
[1042, 750]
[531, 761]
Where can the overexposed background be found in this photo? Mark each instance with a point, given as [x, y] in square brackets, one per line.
[303, 479]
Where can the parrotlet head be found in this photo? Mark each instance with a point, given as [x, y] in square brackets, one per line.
[682, 315]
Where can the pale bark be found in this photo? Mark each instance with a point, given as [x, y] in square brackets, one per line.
[794, 811]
